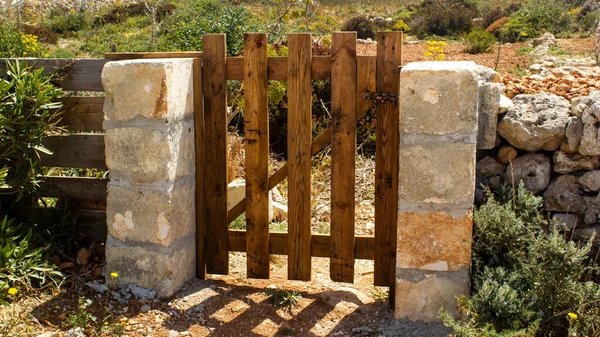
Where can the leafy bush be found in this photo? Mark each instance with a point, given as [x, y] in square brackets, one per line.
[443, 18]
[478, 41]
[498, 13]
[67, 21]
[517, 30]
[214, 18]
[364, 28]
[28, 104]
[535, 16]
[527, 282]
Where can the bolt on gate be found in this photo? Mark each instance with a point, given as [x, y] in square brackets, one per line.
[357, 83]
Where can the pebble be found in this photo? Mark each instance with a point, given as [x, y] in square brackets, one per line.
[145, 308]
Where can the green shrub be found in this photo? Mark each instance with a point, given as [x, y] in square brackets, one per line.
[28, 104]
[478, 41]
[64, 22]
[517, 30]
[536, 16]
[364, 28]
[233, 21]
[443, 18]
[527, 282]
[588, 22]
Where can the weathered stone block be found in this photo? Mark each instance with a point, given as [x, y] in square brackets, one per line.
[159, 217]
[434, 241]
[148, 88]
[421, 296]
[437, 173]
[430, 87]
[163, 271]
[143, 156]
[488, 107]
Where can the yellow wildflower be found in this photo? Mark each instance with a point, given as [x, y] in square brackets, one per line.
[572, 316]
[114, 274]
[12, 291]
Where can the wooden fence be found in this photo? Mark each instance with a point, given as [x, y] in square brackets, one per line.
[358, 83]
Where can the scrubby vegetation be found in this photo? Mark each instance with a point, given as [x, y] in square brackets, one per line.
[28, 105]
[528, 278]
[169, 25]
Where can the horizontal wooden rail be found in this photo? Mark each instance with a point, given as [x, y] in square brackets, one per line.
[84, 74]
[320, 244]
[76, 74]
[153, 55]
[74, 187]
[75, 150]
[82, 113]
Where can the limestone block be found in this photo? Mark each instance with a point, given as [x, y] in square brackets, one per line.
[532, 169]
[590, 140]
[143, 156]
[163, 271]
[437, 173]
[568, 163]
[536, 122]
[573, 134]
[434, 241]
[421, 298]
[428, 87]
[505, 104]
[590, 181]
[159, 217]
[236, 192]
[488, 107]
[148, 88]
[564, 195]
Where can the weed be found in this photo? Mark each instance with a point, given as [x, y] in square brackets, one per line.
[322, 227]
[289, 332]
[478, 41]
[278, 226]
[558, 51]
[380, 293]
[239, 223]
[435, 50]
[284, 298]
[524, 51]
[81, 318]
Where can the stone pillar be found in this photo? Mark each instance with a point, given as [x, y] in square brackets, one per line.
[438, 133]
[150, 154]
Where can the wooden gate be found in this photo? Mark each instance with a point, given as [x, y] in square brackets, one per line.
[357, 82]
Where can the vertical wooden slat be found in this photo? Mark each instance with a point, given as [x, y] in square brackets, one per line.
[199, 155]
[214, 83]
[343, 155]
[389, 59]
[256, 131]
[367, 82]
[299, 145]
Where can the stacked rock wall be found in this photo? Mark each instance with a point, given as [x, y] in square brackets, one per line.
[552, 145]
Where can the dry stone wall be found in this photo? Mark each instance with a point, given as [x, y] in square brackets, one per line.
[551, 144]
